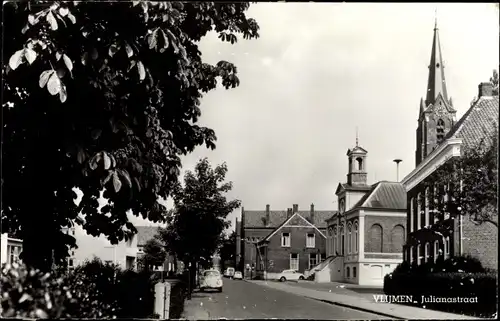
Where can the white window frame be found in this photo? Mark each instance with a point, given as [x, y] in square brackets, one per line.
[294, 261]
[349, 239]
[411, 255]
[412, 214]
[310, 245]
[427, 252]
[426, 207]
[419, 254]
[356, 235]
[335, 241]
[13, 252]
[419, 211]
[436, 250]
[447, 247]
[283, 239]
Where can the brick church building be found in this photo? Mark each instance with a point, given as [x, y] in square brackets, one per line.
[440, 137]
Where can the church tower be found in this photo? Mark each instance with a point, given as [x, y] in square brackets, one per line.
[436, 113]
[356, 174]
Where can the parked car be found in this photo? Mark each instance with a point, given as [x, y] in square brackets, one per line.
[211, 279]
[229, 273]
[290, 275]
[238, 275]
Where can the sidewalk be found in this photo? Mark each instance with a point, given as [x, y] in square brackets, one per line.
[363, 303]
[194, 310]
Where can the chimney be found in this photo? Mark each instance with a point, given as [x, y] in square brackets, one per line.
[268, 214]
[485, 89]
[312, 214]
[295, 208]
[288, 213]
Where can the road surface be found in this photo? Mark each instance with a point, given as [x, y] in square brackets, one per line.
[244, 300]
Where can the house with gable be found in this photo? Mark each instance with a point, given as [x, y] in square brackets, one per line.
[365, 237]
[269, 242]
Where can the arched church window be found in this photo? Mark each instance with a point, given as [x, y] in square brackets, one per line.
[440, 131]
[359, 160]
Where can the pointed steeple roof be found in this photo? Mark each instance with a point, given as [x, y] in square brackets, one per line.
[436, 84]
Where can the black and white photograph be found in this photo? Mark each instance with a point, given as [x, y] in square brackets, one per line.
[202, 160]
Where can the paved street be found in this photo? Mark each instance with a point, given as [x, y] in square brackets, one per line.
[245, 300]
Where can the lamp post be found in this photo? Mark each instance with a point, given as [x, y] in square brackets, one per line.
[397, 161]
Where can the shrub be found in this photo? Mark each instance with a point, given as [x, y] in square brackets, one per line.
[447, 285]
[460, 264]
[29, 293]
[92, 290]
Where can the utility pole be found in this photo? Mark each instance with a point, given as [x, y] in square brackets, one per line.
[397, 161]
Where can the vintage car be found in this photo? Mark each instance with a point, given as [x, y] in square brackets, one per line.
[211, 279]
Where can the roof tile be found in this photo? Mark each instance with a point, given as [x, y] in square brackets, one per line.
[480, 121]
[256, 219]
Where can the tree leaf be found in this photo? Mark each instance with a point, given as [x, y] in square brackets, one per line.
[44, 77]
[63, 94]
[141, 70]
[165, 39]
[54, 84]
[68, 62]
[107, 160]
[107, 178]
[71, 18]
[112, 50]
[117, 184]
[25, 28]
[126, 176]
[81, 156]
[58, 56]
[31, 19]
[152, 41]
[128, 50]
[63, 11]
[30, 55]
[16, 59]
[96, 133]
[52, 21]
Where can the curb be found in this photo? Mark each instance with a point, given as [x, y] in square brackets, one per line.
[356, 308]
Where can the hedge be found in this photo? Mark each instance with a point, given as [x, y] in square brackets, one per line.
[449, 279]
[92, 290]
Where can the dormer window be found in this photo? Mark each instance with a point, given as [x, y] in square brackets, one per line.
[342, 206]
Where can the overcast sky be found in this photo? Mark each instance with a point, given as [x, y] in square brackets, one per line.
[321, 69]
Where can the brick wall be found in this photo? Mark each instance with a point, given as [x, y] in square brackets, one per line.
[389, 240]
[248, 251]
[481, 241]
[280, 256]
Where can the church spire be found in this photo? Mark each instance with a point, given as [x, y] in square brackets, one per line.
[436, 84]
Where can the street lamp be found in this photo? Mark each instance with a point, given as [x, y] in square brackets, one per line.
[397, 161]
